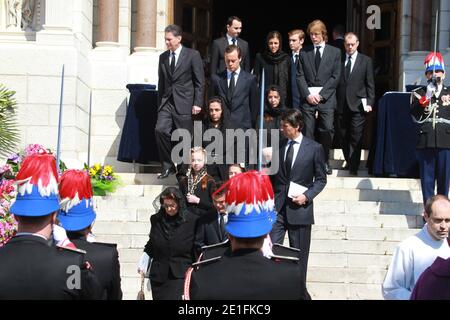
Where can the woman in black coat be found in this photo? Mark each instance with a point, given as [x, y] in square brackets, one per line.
[171, 245]
[277, 66]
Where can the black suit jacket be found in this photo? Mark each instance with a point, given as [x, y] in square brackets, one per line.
[360, 84]
[31, 269]
[105, 261]
[308, 170]
[186, 85]
[243, 108]
[208, 230]
[247, 275]
[328, 75]
[171, 254]
[218, 53]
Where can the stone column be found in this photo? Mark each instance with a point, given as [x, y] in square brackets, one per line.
[421, 25]
[108, 23]
[145, 25]
[444, 32]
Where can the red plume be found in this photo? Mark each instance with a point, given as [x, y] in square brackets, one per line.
[73, 182]
[38, 167]
[249, 187]
[431, 56]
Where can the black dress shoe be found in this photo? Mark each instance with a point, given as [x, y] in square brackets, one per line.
[166, 173]
[328, 169]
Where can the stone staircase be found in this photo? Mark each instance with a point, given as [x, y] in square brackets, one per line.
[359, 222]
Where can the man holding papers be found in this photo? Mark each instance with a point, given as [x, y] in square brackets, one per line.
[355, 96]
[317, 79]
[301, 177]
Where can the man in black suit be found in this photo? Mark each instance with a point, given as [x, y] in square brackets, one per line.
[318, 78]
[234, 29]
[77, 217]
[31, 267]
[180, 93]
[296, 40]
[355, 96]
[238, 89]
[301, 161]
[210, 227]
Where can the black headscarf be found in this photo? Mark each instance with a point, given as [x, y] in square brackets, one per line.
[171, 223]
[278, 111]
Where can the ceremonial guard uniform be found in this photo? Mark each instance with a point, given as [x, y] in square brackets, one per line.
[237, 271]
[30, 266]
[77, 216]
[430, 108]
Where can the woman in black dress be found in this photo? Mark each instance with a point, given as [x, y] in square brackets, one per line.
[170, 245]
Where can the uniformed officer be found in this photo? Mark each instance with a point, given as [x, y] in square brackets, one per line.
[30, 266]
[430, 108]
[242, 271]
[77, 217]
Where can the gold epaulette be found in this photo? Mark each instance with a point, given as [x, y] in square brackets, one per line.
[71, 249]
[207, 261]
[286, 247]
[285, 258]
[215, 245]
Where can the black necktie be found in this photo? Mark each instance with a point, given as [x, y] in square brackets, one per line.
[289, 158]
[172, 63]
[231, 86]
[348, 67]
[318, 58]
[221, 227]
[234, 41]
[296, 60]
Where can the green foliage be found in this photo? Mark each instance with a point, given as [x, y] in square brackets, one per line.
[9, 134]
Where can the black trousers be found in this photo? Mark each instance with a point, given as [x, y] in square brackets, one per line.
[169, 120]
[325, 125]
[299, 237]
[352, 129]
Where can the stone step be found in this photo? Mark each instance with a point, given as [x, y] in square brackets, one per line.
[336, 181]
[367, 207]
[344, 291]
[353, 247]
[320, 232]
[330, 193]
[323, 218]
[370, 275]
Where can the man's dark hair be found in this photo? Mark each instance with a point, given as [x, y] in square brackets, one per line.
[77, 234]
[174, 29]
[339, 30]
[294, 117]
[34, 221]
[216, 99]
[231, 48]
[251, 241]
[431, 201]
[216, 187]
[231, 19]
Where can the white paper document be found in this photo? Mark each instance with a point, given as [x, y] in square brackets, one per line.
[296, 189]
[364, 103]
[315, 90]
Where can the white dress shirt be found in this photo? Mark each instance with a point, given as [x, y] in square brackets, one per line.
[177, 55]
[236, 76]
[353, 60]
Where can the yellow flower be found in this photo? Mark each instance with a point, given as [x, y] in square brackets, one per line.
[97, 166]
[92, 171]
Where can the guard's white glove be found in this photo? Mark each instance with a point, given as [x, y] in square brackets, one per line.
[431, 89]
[267, 247]
[91, 237]
[143, 263]
[60, 237]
